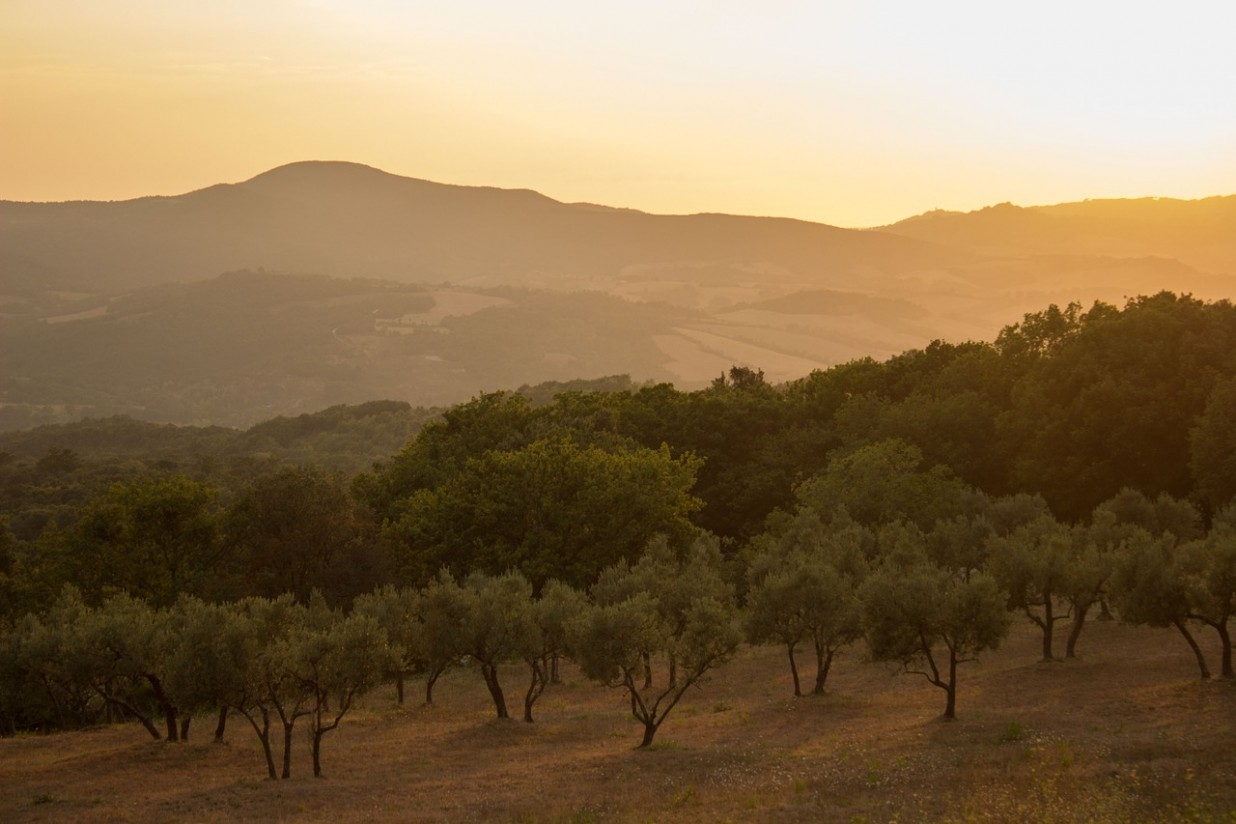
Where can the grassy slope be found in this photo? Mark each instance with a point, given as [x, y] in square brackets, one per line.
[1126, 733]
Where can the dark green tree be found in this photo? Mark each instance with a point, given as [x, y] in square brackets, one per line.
[8, 568]
[1108, 397]
[490, 422]
[154, 539]
[298, 530]
[885, 482]
[1212, 447]
[553, 509]
[738, 428]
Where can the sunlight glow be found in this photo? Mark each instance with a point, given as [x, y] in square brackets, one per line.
[849, 113]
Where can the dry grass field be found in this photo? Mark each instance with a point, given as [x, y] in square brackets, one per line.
[1126, 733]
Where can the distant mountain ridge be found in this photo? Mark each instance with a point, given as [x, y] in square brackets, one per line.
[428, 292]
[349, 220]
[1199, 233]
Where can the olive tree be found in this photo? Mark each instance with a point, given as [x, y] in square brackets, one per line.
[804, 600]
[1209, 570]
[611, 641]
[674, 581]
[930, 620]
[334, 661]
[1032, 566]
[397, 611]
[552, 613]
[270, 687]
[121, 650]
[499, 626]
[1150, 587]
[206, 664]
[442, 612]
[686, 617]
[41, 680]
[1091, 564]
[802, 588]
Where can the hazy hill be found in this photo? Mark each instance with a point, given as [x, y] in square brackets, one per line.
[349, 220]
[118, 308]
[1200, 234]
[247, 346]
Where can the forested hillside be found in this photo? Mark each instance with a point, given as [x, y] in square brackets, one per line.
[1071, 405]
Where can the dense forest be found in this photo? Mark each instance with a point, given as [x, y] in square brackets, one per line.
[1084, 462]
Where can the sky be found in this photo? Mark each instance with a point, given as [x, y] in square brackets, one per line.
[850, 113]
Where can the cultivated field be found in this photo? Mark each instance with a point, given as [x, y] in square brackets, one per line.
[1125, 733]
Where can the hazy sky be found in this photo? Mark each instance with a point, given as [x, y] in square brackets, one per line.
[852, 113]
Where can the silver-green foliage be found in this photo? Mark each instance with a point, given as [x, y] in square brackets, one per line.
[681, 610]
[930, 620]
[802, 588]
[499, 625]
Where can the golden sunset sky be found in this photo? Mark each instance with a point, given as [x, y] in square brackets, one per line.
[850, 113]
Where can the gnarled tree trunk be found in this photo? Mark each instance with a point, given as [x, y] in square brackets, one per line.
[789, 648]
[490, 673]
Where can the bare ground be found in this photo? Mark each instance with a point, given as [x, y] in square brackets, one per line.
[1125, 733]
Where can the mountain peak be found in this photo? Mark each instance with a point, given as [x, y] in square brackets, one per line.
[319, 172]
[343, 178]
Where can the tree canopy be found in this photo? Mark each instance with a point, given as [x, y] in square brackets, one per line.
[552, 509]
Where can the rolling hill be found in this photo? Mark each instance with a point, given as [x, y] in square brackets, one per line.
[1199, 235]
[429, 293]
[247, 346]
[349, 220]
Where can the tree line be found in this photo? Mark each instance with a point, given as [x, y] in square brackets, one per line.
[930, 585]
[275, 661]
